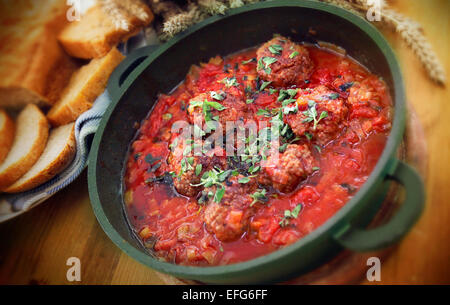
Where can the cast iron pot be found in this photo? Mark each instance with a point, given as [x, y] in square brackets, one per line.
[134, 87]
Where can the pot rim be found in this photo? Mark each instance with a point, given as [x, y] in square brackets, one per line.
[385, 165]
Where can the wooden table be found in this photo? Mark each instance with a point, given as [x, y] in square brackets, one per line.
[34, 247]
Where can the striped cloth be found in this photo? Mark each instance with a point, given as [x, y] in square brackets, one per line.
[85, 128]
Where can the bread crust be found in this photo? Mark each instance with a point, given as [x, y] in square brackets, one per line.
[54, 167]
[33, 66]
[90, 81]
[6, 135]
[79, 42]
[19, 167]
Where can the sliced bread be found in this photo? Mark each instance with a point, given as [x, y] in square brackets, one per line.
[7, 130]
[84, 87]
[29, 143]
[33, 66]
[103, 26]
[57, 155]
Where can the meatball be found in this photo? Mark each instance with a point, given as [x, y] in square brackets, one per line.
[321, 114]
[190, 167]
[289, 169]
[229, 219]
[227, 106]
[283, 62]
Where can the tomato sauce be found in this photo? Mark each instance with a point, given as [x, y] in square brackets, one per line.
[171, 225]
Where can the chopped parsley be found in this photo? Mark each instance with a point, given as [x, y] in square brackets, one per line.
[293, 54]
[244, 180]
[264, 64]
[229, 82]
[311, 114]
[167, 116]
[333, 96]
[275, 49]
[249, 61]
[198, 169]
[217, 96]
[215, 177]
[259, 196]
[346, 86]
[264, 85]
[288, 214]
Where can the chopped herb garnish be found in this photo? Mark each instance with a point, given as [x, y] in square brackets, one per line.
[249, 61]
[198, 132]
[350, 189]
[215, 177]
[263, 112]
[311, 114]
[264, 63]
[167, 116]
[293, 109]
[249, 101]
[318, 148]
[229, 82]
[293, 54]
[198, 169]
[219, 194]
[259, 196]
[154, 167]
[264, 85]
[346, 86]
[282, 148]
[150, 159]
[244, 180]
[275, 49]
[333, 96]
[316, 168]
[290, 215]
[218, 96]
[287, 96]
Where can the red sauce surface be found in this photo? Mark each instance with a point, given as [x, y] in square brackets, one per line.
[172, 226]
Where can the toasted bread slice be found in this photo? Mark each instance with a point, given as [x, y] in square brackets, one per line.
[29, 143]
[33, 66]
[57, 155]
[103, 27]
[7, 130]
[84, 87]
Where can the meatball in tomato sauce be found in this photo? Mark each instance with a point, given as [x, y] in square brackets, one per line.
[229, 218]
[321, 114]
[217, 106]
[189, 166]
[285, 171]
[283, 62]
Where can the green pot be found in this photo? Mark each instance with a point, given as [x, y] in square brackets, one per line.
[148, 71]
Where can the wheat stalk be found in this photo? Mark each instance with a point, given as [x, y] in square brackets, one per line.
[180, 22]
[134, 7]
[116, 13]
[412, 34]
[410, 31]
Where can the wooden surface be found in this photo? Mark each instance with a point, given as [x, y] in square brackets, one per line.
[34, 247]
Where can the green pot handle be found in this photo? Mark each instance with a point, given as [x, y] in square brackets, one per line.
[128, 66]
[361, 240]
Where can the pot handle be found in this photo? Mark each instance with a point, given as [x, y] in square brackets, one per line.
[361, 240]
[128, 66]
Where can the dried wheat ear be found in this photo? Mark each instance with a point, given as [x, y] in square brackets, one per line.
[177, 20]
